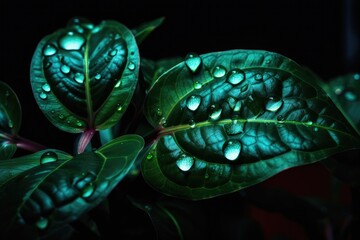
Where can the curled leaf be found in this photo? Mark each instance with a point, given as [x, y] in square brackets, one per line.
[232, 119]
[142, 31]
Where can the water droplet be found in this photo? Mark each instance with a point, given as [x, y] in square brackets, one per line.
[357, 76]
[192, 62]
[244, 88]
[236, 76]
[339, 90]
[309, 123]
[61, 116]
[119, 107]
[79, 29]
[232, 149]
[350, 96]
[46, 87]
[219, 72]
[193, 102]
[113, 52]
[159, 112]
[118, 84]
[43, 96]
[197, 85]
[316, 129]
[237, 106]
[49, 50]
[10, 124]
[131, 66]
[185, 162]
[71, 41]
[280, 119]
[258, 77]
[48, 156]
[87, 191]
[79, 124]
[273, 104]
[65, 69]
[162, 121]
[98, 76]
[215, 113]
[149, 156]
[234, 128]
[192, 123]
[148, 208]
[47, 65]
[206, 176]
[79, 78]
[42, 223]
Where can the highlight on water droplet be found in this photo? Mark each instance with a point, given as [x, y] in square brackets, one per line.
[61, 116]
[159, 112]
[149, 156]
[350, 95]
[232, 149]
[280, 119]
[131, 66]
[113, 52]
[65, 69]
[119, 107]
[79, 78]
[49, 50]
[197, 85]
[218, 72]
[192, 123]
[215, 113]
[71, 41]
[46, 88]
[87, 191]
[273, 104]
[118, 84]
[193, 102]
[43, 96]
[42, 223]
[236, 76]
[48, 156]
[79, 123]
[258, 77]
[97, 76]
[192, 62]
[339, 90]
[185, 162]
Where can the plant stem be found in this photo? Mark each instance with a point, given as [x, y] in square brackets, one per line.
[27, 144]
[85, 139]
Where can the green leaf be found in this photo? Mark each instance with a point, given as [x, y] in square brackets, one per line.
[10, 120]
[233, 119]
[83, 76]
[44, 198]
[9, 169]
[142, 31]
[152, 70]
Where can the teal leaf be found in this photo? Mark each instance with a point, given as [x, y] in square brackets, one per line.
[55, 193]
[229, 120]
[142, 31]
[83, 76]
[10, 120]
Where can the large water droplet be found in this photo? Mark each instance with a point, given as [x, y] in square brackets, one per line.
[71, 41]
[192, 62]
[87, 191]
[46, 87]
[49, 50]
[98, 76]
[131, 66]
[356, 76]
[113, 52]
[47, 65]
[350, 96]
[192, 123]
[79, 78]
[42, 223]
[236, 76]
[43, 96]
[232, 149]
[219, 71]
[215, 113]
[49, 156]
[185, 162]
[193, 102]
[65, 69]
[273, 104]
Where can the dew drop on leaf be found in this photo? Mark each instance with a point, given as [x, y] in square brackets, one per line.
[193, 102]
[87, 191]
[79, 78]
[65, 69]
[197, 85]
[149, 156]
[236, 76]
[46, 87]
[273, 104]
[43, 96]
[219, 72]
[185, 162]
[47, 65]
[280, 119]
[192, 123]
[47, 157]
[61, 116]
[118, 84]
[350, 96]
[118, 107]
[10, 124]
[131, 66]
[215, 113]
[98, 76]
[42, 223]
[113, 52]
[356, 76]
[258, 77]
[49, 50]
[232, 149]
[192, 62]
[71, 41]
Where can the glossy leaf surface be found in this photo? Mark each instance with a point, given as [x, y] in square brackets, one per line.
[58, 192]
[10, 120]
[83, 76]
[233, 119]
[145, 29]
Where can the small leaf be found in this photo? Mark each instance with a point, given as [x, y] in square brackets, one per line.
[45, 198]
[152, 70]
[232, 119]
[83, 76]
[10, 120]
[145, 29]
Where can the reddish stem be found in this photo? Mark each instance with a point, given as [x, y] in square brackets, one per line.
[85, 139]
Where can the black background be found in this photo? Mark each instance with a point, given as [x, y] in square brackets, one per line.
[311, 32]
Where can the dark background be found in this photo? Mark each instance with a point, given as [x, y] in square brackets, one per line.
[314, 33]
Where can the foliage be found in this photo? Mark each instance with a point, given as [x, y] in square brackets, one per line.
[209, 125]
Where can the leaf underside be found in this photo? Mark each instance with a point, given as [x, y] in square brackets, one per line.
[83, 76]
[233, 119]
[55, 193]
